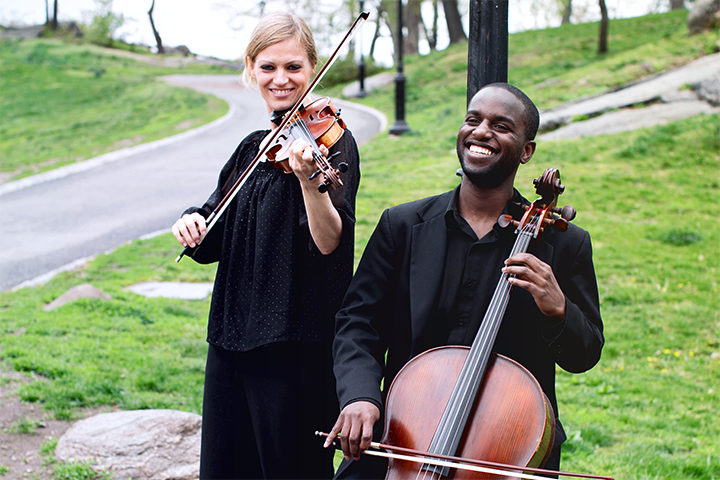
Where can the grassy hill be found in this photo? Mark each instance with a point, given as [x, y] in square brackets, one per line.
[64, 103]
[648, 198]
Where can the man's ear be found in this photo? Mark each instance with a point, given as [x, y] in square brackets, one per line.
[528, 151]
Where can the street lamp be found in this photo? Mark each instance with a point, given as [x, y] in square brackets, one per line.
[399, 126]
[361, 65]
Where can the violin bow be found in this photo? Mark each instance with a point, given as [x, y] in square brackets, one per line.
[419, 456]
[268, 141]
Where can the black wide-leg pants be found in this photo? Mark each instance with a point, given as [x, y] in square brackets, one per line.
[261, 410]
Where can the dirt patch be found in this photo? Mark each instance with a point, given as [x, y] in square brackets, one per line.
[20, 456]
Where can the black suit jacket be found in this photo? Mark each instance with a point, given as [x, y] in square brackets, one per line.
[391, 300]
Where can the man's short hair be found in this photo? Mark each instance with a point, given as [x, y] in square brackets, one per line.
[532, 116]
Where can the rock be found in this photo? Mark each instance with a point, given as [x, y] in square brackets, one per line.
[81, 291]
[704, 15]
[709, 90]
[137, 444]
[184, 290]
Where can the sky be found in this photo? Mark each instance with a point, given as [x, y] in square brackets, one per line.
[215, 28]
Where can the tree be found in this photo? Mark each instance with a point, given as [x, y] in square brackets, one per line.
[156, 34]
[602, 43]
[55, 15]
[381, 18]
[454, 22]
[677, 4]
[431, 33]
[567, 12]
[413, 20]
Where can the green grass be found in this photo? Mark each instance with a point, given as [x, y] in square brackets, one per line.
[649, 198]
[64, 103]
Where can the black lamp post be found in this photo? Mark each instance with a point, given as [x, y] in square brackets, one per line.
[399, 126]
[487, 44]
[361, 65]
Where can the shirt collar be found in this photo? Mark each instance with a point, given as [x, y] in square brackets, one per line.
[512, 207]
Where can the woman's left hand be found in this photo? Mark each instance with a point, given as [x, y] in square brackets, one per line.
[302, 163]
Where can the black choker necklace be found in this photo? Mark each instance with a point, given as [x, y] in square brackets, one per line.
[277, 116]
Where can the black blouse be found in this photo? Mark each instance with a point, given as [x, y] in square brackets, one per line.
[272, 283]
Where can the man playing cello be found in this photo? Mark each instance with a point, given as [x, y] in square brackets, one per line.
[429, 270]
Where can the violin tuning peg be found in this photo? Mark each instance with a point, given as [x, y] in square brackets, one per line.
[315, 174]
[323, 187]
[343, 167]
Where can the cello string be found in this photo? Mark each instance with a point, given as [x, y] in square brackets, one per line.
[466, 380]
[470, 376]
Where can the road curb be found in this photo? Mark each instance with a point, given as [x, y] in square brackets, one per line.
[111, 156]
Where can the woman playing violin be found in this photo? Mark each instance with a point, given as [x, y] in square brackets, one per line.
[285, 257]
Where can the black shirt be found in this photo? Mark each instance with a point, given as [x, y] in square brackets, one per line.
[272, 282]
[472, 271]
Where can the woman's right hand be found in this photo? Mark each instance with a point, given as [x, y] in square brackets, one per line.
[190, 229]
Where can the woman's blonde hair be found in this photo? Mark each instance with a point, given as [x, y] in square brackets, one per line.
[275, 28]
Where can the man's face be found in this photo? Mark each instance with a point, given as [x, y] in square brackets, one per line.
[491, 142]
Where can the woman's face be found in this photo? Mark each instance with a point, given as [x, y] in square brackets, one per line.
[282, 72]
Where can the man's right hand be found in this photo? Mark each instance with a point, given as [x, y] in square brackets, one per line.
[355, 426]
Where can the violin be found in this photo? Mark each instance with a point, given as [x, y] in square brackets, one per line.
[318, 124]
[276, 145]
[469, 413]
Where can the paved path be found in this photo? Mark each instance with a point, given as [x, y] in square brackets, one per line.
[75, 212]
[668, 89]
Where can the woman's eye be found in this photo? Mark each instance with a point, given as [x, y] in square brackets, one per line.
[267, 68]
[294, 68]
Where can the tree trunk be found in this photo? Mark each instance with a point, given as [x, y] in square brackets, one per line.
[55, 15]
[413, 19]
[567, 12]
[431, 33]
[602, 43]
[454, 22]
[381, 17]
[677, 4]
[47, 13]
[158, 40]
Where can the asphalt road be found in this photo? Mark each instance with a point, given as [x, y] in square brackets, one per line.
[76, 212]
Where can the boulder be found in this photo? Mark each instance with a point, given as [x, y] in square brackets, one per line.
[137, 444]
[81, 291]
[704, 15]
[709, 90]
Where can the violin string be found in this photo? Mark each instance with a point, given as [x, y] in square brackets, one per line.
[318, 157]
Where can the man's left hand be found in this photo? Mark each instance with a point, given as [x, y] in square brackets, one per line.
[537, 278]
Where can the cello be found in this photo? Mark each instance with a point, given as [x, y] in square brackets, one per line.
[468, 413]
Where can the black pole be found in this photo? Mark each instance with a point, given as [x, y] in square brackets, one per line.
[399, 126]
[487, 44]
[361, 65]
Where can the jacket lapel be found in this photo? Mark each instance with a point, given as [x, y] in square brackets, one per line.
[428, 243]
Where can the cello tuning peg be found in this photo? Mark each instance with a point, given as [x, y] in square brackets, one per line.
[568, 212]
[505, 220]
[560, 224]
[343, 167]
